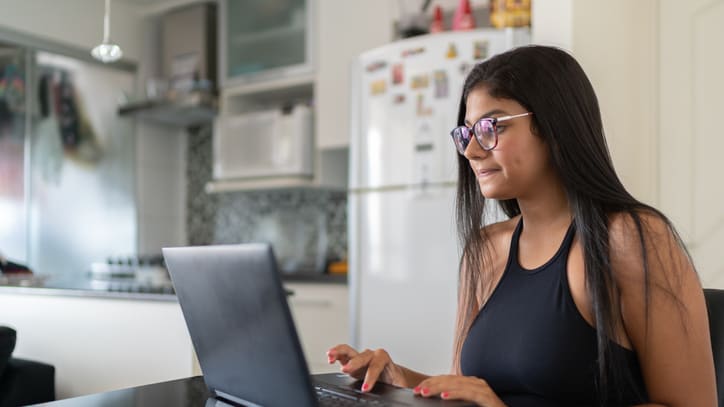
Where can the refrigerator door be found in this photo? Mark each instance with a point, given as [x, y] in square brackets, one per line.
[406, 252]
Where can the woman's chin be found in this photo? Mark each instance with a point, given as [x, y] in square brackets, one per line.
[492, 192]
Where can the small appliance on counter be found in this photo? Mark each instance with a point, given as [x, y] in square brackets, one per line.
[139, 274]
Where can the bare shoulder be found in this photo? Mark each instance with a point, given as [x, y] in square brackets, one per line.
[501, 230]
[645, 238]
[500, 233]
[626, 230]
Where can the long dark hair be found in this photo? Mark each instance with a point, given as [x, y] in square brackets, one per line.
[550, 83]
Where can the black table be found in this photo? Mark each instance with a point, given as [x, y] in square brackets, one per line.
[189, 392]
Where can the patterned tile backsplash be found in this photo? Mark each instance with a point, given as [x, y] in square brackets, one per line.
[306, 227]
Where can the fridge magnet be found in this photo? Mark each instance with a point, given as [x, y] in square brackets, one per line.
[378, 87]
[465, 68]
[480, 49]
[441, 83]
[419, 81]
[452, 52]
[399, 99]
[375, 66]
[398, 74]
[422, 108]
[412, 51]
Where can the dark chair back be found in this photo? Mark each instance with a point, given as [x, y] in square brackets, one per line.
[715, 308]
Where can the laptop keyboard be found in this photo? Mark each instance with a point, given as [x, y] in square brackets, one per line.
[339, 397]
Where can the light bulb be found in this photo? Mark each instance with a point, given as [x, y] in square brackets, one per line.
[107, 52]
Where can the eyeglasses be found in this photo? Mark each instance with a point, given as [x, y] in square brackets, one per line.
[485, 130]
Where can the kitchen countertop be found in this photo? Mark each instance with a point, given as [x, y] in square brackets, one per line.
[85, 286]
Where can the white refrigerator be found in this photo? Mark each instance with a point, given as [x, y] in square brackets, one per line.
[403, 248]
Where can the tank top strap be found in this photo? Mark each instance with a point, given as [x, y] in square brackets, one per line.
[561, 253]
[513, 251]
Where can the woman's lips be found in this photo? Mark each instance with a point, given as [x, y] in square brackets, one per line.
[485, 172]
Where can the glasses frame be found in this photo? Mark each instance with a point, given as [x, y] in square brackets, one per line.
[478, 137]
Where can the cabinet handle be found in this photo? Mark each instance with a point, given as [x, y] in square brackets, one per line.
[313, 303]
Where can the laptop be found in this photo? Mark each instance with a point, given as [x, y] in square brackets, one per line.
[240, 325]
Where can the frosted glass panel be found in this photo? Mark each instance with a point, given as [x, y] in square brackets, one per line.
[264, 35]
[83, 200]
[12, 151]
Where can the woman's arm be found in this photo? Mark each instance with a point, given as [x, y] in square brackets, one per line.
[669, 330]
[412, 377]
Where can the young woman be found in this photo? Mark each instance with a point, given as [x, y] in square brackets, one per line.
[584, 296]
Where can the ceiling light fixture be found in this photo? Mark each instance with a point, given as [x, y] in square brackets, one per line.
[107, 51]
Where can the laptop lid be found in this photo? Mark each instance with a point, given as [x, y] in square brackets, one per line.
[237, 315]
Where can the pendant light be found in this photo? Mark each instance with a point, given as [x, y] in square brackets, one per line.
[107, 51]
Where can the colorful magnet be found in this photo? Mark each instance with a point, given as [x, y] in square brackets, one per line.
[398, 74]
[441, 84]
[452, 51]
[420, 81]
[376, 66]
[399, 99]
[378, 87]
[412, 51]
[480, 49]
[465, 68]
[422, 108]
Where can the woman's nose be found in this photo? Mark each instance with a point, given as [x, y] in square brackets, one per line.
[473, 150]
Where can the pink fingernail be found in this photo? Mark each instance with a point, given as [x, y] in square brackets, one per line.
[365, 387]
[416, 389]
[444, 394]
[425, 392]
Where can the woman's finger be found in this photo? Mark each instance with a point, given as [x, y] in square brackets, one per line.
[377, 364]
[342, 353]
[359, 361]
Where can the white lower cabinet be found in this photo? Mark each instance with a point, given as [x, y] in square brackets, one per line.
[320, 314]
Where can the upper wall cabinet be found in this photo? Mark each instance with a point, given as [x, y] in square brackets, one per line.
[265, 40]
[288, 51]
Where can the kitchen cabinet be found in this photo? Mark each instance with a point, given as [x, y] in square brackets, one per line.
[99, 344]
[370, 23]
[321, 315]
[262, 39]
[338, 30]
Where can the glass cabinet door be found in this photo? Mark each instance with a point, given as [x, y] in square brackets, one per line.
[265, 38]
[13, 215]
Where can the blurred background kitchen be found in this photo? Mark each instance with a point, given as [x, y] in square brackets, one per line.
[233, 121]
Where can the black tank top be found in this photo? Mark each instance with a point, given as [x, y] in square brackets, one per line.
[534, 348]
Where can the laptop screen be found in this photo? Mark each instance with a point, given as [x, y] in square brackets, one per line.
[240, 324]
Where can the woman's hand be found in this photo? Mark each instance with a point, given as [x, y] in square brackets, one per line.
[368, 365]
[466, 388]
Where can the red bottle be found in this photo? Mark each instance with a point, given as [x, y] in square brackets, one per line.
[463, 19]
[437, 25]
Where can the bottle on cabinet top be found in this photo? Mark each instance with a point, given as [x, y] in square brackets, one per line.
[510, 13]
[463, 18]
[437, 24]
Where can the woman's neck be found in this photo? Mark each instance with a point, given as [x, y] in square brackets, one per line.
[547, 209]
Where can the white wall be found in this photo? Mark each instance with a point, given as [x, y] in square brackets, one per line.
[74, 22]
[615, 41]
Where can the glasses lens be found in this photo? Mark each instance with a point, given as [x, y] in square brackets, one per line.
[461, 138]
[485, 133]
